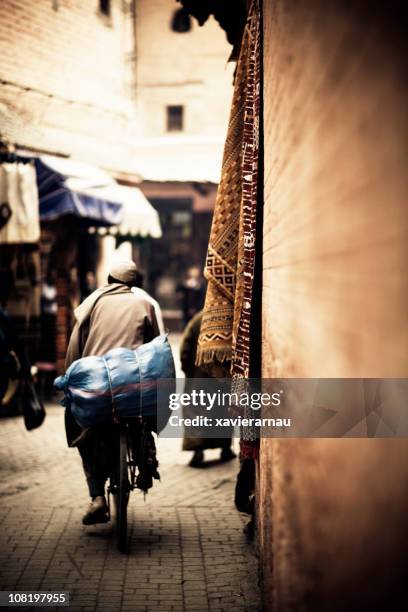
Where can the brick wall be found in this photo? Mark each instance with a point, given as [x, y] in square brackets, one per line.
[65, 79]
[193, 71]
[332, 512]
[76, 83]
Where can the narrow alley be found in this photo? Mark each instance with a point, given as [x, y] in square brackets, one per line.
[187, 546]
[228, 180]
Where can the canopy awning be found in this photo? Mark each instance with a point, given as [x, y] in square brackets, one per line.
[71, 188]
[139, 216]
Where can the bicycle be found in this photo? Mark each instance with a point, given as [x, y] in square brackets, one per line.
[122, 482]
[134, 466]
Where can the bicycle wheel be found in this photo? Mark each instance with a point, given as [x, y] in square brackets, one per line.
[123, 490]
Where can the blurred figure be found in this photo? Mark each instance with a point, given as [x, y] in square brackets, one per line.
[47, 355]
[9, 362]
[48, 318]
[15, 375]
[138, 290]
[191, 442]
[89, 285]
[192, 293]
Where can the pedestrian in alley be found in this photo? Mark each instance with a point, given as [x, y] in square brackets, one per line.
[191, 441]
[192, 293]
[112, 316]
[9, 362]
[137, 289]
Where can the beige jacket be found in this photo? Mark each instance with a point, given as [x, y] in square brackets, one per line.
[111, 317]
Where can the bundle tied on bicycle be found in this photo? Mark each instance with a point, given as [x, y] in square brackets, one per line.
[122, 383]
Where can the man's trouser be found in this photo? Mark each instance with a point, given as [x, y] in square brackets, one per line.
[99, 452]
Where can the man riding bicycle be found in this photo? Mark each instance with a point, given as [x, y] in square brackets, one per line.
[112, 316]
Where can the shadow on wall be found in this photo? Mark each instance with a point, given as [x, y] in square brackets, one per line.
[332, 526]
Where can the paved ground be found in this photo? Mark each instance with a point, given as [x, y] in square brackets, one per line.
[187, 547]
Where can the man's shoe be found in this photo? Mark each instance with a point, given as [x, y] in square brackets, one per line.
[197, 459]
[98, 512]
[227, 454]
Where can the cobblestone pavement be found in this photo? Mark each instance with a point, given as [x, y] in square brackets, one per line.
[187, 547]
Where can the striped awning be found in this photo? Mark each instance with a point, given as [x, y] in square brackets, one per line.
[139, 217]
[67, 187]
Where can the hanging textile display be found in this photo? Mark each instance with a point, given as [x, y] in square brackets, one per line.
[225, 334]
[19, 202]
[225, 329]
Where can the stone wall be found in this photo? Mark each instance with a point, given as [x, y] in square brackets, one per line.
[65, 84]
[335, 294]
[190, 69]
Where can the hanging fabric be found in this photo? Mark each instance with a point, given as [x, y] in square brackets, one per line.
[19, 197]
[225, 329]
[225, 334]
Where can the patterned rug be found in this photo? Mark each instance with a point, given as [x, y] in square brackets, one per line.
[225, 330]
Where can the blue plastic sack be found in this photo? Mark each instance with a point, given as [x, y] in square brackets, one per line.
[122, 382]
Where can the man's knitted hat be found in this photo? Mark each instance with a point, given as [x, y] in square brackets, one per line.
[124, 271]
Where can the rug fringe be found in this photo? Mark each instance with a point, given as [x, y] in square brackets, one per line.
[208, 356]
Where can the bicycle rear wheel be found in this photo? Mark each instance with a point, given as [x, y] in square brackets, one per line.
[123, 491]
